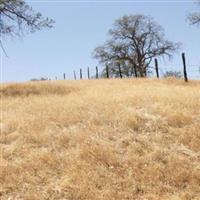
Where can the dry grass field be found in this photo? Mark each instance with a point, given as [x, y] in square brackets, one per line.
[100, 140]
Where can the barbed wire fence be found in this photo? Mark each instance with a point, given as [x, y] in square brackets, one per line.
[186, 71]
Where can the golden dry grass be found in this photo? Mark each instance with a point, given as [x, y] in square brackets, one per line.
[100, 140]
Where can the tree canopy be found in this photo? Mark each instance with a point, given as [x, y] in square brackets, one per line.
[134, 41]
[17, 18]
[194, 18]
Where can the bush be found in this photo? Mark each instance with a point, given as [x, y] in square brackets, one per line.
[175, 74]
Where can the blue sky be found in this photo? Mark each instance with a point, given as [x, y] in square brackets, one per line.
[83, 25]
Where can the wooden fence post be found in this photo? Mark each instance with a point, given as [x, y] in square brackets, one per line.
[184, 68]
[88, 73]
[107, 72]
[74, 75]
[135, 71]
[81, 76]
[120, 71]
[156, 67]
[64, 76]
[97, 74]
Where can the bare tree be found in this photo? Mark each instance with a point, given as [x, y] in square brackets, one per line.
[194, 18]
[17, 17]
[135, 40]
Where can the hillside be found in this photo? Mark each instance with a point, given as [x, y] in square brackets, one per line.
[100, 140]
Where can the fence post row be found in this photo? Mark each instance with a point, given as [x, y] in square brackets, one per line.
[184, 68]
[156, 67]
[107, 72]
[133, 69]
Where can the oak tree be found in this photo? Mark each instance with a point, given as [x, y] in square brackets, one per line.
[134, 41]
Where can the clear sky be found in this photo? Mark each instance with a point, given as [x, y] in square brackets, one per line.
[83, 25]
